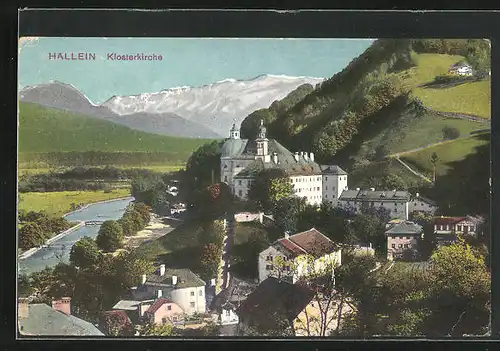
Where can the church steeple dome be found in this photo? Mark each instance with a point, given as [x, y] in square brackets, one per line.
[234, 133]
[262, 130]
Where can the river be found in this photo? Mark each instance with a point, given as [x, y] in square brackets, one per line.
[60, 249]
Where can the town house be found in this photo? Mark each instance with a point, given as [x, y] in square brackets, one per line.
[39, 319]
[293, 250]
[401, 237]
[181, 286]
[446, 229]
[397, 202]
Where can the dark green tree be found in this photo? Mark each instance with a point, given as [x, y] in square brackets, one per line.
[31, 235]
[110, 236]
[85, 253]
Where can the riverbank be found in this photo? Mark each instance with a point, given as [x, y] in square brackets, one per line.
[58, 203]
[31, 251]
[96, 203]
[154, 230]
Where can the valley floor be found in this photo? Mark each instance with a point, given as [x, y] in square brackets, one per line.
[59, 202]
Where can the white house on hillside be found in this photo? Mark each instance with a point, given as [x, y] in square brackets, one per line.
[243, 159]
[181, 286]
[461, 68]
[294, 249]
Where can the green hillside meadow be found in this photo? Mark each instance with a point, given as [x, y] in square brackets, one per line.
[52, 137]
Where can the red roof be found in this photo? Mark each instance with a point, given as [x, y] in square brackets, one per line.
[313, 242]
[291, 246]
[157, 304]
[448, 220]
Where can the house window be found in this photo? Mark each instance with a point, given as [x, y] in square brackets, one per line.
[239, 182]
[201, 293]
[269, 267]
[175, 318]
[269, 258]
[406, 246]
[326, 187]
[169, 307]
[240, 193]
[326, 178]
[326, 196]
[459, 228]
[192, 293]
[400, 246]
[191, 304]
[393, 246]
[164, 320]
[225, 178]
[471, 228]
[228, 313]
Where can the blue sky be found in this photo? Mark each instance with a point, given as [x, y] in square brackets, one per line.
[192, 62]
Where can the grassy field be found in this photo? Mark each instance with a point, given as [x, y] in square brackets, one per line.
[447, 152]
[408, 131]
[25, 169]
[429, 66]
[58, 203]
[471, 98]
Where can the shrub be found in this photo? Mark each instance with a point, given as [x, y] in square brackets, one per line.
[450, 132]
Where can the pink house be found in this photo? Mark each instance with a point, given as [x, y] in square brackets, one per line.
[163, 311]
[401, 237]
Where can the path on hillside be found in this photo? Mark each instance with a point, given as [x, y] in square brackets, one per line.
[457, 115]
[418, 174]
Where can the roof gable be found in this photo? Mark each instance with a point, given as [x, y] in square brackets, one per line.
[157, 304]
[313, 242]
[274, 299]
[44, 320]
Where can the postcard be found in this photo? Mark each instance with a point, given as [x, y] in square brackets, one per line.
[236, 187]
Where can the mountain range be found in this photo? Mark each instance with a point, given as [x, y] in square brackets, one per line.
[201, 112]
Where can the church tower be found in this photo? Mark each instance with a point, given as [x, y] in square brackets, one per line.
[234, 133]
[262, 144]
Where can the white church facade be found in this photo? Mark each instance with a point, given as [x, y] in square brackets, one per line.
[243, 159]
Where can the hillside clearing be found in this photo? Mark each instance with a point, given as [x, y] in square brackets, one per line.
[59, 203]
[429, 66]
[472, 98]
[447, 153]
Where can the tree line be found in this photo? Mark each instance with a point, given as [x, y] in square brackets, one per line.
[80, 178]
[35, 228]
[111, 233]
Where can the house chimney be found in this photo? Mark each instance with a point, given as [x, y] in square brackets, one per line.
[159, 293]
[296, 156]
[63, 305]
[22, 308]
[174, 280]
[275, 157]
[162, 270]
[311, 156]
[212, 282]
[372, 189]
[143, 279]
